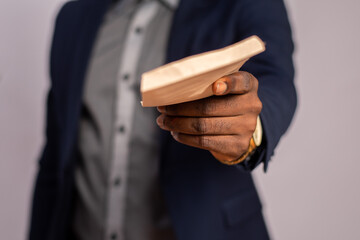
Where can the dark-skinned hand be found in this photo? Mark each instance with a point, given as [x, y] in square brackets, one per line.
[222, 124]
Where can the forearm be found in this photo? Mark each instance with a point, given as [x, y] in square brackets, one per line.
[273, 69]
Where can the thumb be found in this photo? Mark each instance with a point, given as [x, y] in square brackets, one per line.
[235, 83]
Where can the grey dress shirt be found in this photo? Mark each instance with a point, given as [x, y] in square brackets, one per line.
[118, 195]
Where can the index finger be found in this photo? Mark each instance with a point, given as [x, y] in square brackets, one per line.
[208, 107]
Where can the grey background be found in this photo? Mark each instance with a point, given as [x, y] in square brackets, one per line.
[311, 190]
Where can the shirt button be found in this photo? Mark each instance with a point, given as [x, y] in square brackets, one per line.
[117, 181]
[126, 76]
[113, 236]
[121, 129]
[138, 30]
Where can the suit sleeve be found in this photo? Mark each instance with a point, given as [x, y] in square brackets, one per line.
[274, 69]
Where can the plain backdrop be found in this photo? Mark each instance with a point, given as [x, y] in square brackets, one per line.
[311, 190]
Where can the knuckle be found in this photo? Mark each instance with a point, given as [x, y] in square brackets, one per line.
[260, 105]
[203, 141]
[252, 127]
[255, 82]
[247, 81]
[234, 80]
[256, 105]
[207, 108]
[199, 126]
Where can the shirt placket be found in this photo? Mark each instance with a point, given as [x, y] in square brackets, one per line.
[125, 102]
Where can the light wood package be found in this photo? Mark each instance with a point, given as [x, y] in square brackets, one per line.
[191, 78]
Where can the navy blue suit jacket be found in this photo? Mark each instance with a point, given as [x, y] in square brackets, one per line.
[206, 200]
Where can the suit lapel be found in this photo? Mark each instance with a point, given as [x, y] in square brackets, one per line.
[88, 16]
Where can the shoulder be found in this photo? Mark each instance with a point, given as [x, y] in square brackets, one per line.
[76, 20]
[71, 14]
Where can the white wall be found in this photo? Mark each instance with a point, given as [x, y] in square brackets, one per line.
[311, 190]
[25, 31]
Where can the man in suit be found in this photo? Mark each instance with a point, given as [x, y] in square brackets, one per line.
[107, 172]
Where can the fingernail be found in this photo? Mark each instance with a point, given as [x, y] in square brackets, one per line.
[174, 134]
[221, 88]
[160, 120]
[161, 108]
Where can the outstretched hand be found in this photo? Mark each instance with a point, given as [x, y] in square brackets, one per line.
[222, 124]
